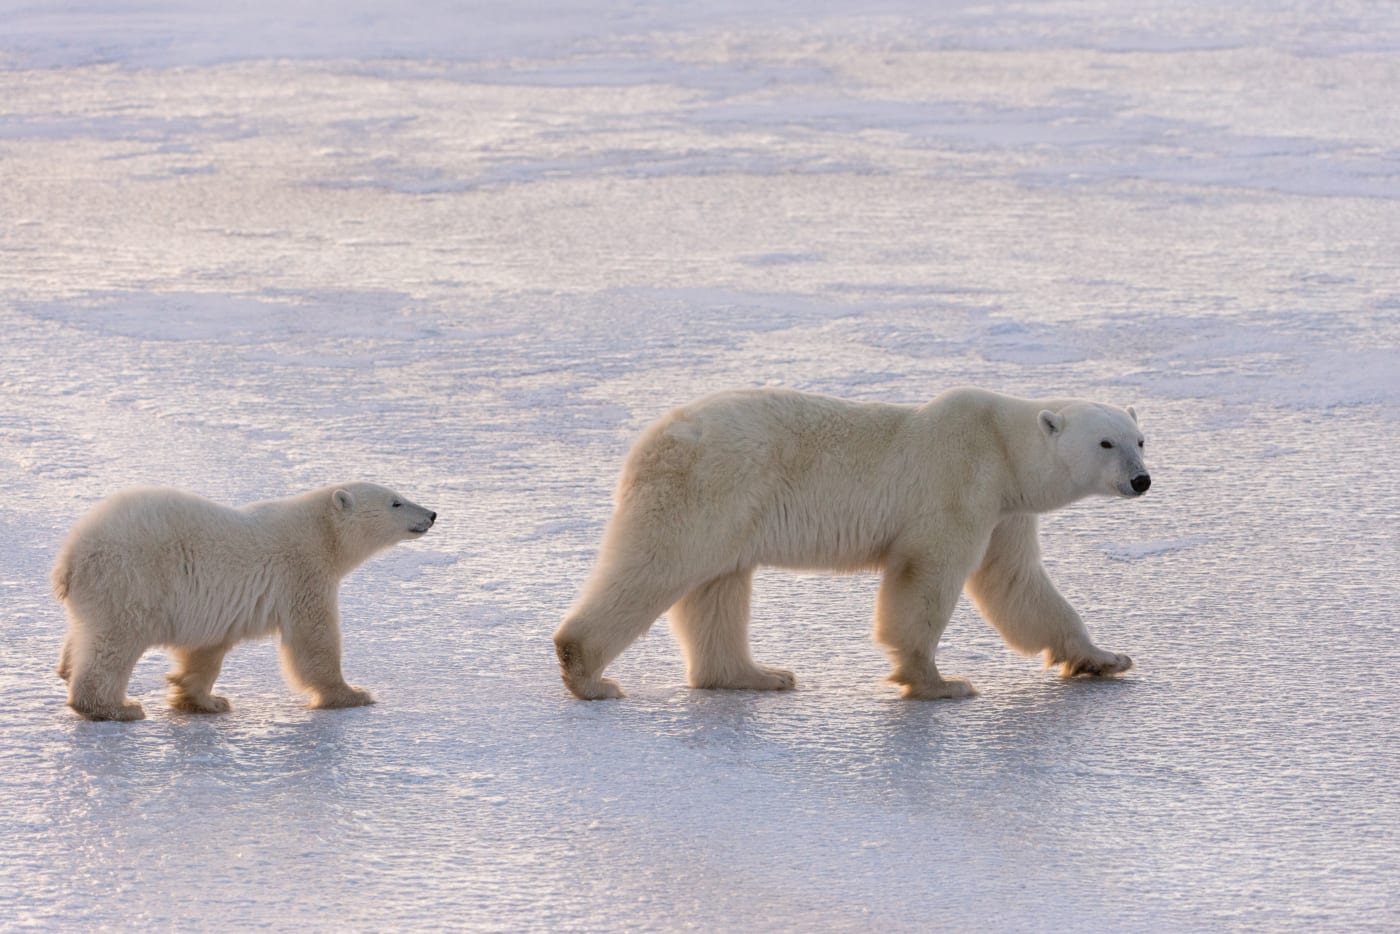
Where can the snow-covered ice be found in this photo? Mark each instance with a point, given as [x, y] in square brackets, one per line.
[469, 249]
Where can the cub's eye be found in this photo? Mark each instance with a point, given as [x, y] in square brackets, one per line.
[1105, 444]
[396, 504]
[1139, 444]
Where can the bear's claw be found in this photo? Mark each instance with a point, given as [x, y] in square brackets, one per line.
[1100, 666]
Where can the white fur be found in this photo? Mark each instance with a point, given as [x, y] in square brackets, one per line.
[150, 567]
[936, 497]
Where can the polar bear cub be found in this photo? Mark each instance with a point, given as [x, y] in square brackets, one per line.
[939, 498]
[150, 567]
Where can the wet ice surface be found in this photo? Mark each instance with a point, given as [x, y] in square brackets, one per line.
[471, 253]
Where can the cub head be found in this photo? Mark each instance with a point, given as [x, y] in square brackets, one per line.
[1101, 446]
[378, 517]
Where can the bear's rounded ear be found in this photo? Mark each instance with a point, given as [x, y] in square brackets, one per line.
[1132, 413]
[343, 500]
[1052, 422]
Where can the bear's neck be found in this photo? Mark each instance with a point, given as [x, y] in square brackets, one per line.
[1039, 491]
[346, 552]
[1039, 483]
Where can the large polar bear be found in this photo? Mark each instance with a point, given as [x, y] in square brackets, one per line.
[937, 497]
[151, 567]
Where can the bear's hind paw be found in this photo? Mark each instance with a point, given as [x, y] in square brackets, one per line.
[754, 678]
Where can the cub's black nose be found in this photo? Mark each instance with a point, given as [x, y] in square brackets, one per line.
[1141, 482]
[432, 516]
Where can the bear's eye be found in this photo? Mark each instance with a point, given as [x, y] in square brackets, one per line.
[1139, 444]
[396, 504]
[1105, 444]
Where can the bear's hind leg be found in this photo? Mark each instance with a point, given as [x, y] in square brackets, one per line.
[614, 611]
[911, 612]
[1013, 592]
[100, 670]
[192, 681]
[712, 624]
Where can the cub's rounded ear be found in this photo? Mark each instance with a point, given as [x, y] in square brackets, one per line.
[1132, 413]
[343, 500]
[1052, 422]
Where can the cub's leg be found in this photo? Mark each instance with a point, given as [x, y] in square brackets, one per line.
[1013, 592]
[911, 611]
[192, 681]
[100, 666]
[310, 651]
[712, 624]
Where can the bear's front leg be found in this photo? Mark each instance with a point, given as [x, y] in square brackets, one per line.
[1012, 590]
[311, 658]
[911, 612]
[712, 625]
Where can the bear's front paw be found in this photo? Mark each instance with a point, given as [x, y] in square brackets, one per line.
[751, 678]
[1098, 665]
[344, 697]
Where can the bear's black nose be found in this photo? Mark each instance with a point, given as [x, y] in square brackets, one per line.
[432, 516]
[1141, 482]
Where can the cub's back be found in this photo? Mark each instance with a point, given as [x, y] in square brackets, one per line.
[145, 530]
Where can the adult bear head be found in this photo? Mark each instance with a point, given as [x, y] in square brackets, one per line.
[1101, 446]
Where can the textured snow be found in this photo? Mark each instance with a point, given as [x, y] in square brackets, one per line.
[469, 249]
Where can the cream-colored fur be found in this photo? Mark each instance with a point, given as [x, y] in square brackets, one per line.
[150, 567]
[936, 497]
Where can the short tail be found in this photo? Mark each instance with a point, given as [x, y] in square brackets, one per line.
[62, 573]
